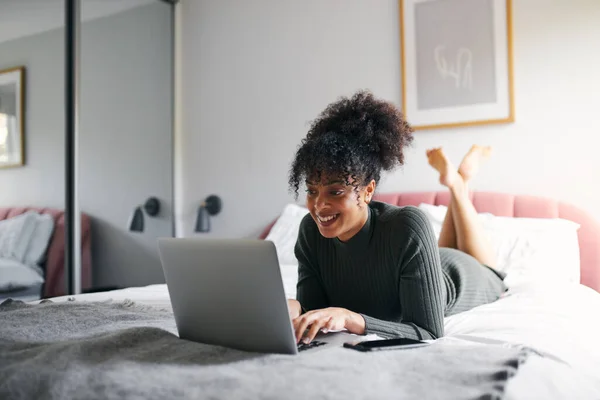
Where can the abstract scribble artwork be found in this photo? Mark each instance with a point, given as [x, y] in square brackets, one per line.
[456, 62]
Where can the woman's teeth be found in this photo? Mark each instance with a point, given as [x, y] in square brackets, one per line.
[328, 218]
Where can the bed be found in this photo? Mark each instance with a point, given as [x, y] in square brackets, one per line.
[555, 321]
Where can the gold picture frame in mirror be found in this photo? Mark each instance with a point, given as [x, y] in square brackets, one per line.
[12, 117]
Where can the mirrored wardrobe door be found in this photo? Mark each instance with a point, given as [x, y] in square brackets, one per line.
[125, 137]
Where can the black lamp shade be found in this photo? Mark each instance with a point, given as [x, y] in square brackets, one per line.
[151, 207]
[137, 221]
[202, 220]
[211, 206]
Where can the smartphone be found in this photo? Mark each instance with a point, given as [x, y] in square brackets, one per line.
[386, 344]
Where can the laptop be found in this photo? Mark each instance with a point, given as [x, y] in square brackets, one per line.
[229, 292]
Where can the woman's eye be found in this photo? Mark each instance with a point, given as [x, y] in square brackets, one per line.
[331, 193]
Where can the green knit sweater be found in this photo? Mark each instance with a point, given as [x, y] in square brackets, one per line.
[389, 272]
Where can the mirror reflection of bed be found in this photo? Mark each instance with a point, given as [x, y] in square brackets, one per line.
[32, 253]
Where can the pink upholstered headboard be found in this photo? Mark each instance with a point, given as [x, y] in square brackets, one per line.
[507, 205]
[55, 256]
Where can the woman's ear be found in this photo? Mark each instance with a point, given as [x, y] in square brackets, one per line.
[370, 191]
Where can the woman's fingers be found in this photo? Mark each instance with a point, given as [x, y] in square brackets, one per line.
[315, 327]
[314, 321]
[302, 323]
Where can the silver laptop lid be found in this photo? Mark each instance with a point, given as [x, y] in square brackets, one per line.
[228, 292]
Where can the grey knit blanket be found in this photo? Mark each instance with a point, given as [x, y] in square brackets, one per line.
[79, 350]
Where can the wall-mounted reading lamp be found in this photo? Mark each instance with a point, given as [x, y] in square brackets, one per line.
[151, 207]
[211, 206]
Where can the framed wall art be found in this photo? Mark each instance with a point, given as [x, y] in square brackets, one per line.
[12, 117]
[456, 62]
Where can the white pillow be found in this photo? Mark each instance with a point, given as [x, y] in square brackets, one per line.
[289, 275]
[34, 255]
[15, 235]
[15, 275]
[538, 249]
[285, 232]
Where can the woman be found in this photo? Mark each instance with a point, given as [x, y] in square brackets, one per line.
[370, 267]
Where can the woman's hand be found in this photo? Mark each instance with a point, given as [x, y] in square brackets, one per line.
[327, 319]
[294, 308]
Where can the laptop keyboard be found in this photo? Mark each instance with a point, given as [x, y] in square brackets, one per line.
[314, 343]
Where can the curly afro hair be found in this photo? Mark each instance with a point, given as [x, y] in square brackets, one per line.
[353, 139]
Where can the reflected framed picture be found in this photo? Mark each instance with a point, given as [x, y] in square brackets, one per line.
[456, 62]
[12, 117]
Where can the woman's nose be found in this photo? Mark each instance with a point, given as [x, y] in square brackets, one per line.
[320, 201]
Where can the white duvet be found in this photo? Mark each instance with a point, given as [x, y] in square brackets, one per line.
[560, 321]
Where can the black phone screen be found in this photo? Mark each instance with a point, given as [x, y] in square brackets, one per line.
[371, 345]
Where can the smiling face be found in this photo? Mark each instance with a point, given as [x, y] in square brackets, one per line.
[335, 207]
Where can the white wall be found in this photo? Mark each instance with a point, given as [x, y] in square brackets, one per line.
[255, 73]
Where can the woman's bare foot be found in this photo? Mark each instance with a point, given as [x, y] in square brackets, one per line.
[449, 177]
[470, 163]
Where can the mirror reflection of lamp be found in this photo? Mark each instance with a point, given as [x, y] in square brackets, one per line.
[211, 206]
[151, 207]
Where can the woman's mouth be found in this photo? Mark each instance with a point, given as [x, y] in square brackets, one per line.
[326, 220]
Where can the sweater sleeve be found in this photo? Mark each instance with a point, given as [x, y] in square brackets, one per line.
[309, 290]
[419, 284]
